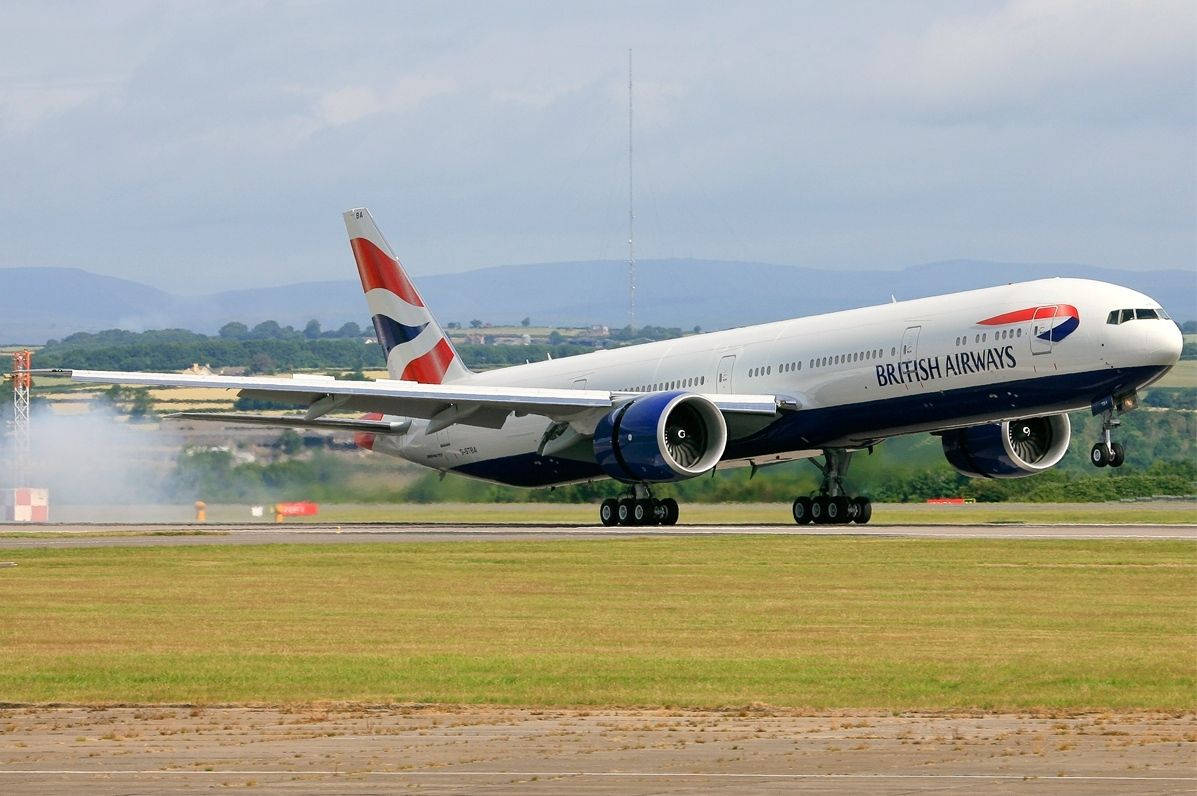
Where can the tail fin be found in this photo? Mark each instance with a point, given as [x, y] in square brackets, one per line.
[416, 348]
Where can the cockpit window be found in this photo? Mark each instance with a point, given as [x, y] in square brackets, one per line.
[1122, 316]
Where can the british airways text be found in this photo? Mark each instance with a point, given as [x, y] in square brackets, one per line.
[939, 367]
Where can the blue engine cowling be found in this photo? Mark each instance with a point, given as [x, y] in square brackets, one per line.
[665, 436]
[1010, 449]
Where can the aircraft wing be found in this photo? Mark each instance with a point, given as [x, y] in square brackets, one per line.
[442, 404]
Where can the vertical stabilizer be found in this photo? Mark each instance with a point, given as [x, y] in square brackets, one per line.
[416, 347]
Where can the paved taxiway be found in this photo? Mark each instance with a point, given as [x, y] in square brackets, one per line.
[166, 535]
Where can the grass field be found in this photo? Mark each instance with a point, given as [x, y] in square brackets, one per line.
[891, 624]
[1183, 374]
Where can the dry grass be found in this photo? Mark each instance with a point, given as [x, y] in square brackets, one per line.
[890, 624]
[1183, 374]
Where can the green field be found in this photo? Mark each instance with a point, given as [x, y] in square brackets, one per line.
[821, 623]
[1183, 374]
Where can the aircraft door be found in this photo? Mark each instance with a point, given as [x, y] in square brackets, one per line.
[910, 342]
[723, 379]
[1041, 327]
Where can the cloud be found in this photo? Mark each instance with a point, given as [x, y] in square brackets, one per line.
[200, 147]
[351, 103]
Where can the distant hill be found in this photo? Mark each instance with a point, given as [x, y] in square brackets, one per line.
[41, 303]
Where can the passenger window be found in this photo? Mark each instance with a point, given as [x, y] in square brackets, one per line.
[1146, 315]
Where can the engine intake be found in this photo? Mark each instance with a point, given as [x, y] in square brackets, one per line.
[666, 436]
[1010, 449]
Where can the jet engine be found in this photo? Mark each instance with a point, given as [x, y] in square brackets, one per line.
[666, 436]
[1010, 449]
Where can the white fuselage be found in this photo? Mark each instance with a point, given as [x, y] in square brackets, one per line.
[857, 376]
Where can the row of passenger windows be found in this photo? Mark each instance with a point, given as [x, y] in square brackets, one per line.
[821, 362]
[1000, 334]
[844, 359]
[1122, 316]
[674, 384]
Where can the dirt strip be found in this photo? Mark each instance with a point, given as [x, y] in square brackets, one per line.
[505, 750]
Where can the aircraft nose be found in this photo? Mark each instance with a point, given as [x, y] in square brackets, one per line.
[1166, 342]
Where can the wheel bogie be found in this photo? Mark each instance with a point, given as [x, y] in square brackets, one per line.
[827, 510]
[638, 511]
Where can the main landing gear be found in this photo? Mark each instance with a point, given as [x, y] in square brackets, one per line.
[831, 506]
[1106, 452]
[640, 508]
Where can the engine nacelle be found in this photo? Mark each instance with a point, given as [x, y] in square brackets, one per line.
[666, 436]
[1010, 449]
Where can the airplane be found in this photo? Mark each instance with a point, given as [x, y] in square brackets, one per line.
[992, 372]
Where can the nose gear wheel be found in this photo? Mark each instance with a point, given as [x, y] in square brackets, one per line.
[1107, 452]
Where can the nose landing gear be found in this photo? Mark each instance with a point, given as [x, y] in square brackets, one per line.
[1106, 452]
[831, 506]
[639, 508]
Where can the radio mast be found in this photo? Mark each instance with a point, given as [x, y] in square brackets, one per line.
[21, 437]
[631, 215]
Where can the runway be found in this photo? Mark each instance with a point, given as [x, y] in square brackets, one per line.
[18, 536]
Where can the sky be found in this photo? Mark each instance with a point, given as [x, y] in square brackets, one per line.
[205, 146]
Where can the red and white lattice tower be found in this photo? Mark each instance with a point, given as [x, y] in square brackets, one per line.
[22, 380]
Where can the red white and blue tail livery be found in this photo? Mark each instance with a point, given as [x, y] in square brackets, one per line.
[416, 347]
[996, 391]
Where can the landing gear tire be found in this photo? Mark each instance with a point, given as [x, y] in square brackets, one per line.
[1117, 454]
[623, 512]
[642, 512]
[671, 511]
[801, 510]
[837, 510]
[609, 512]
[864, 510]
[1099, 456]
[818, 510]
